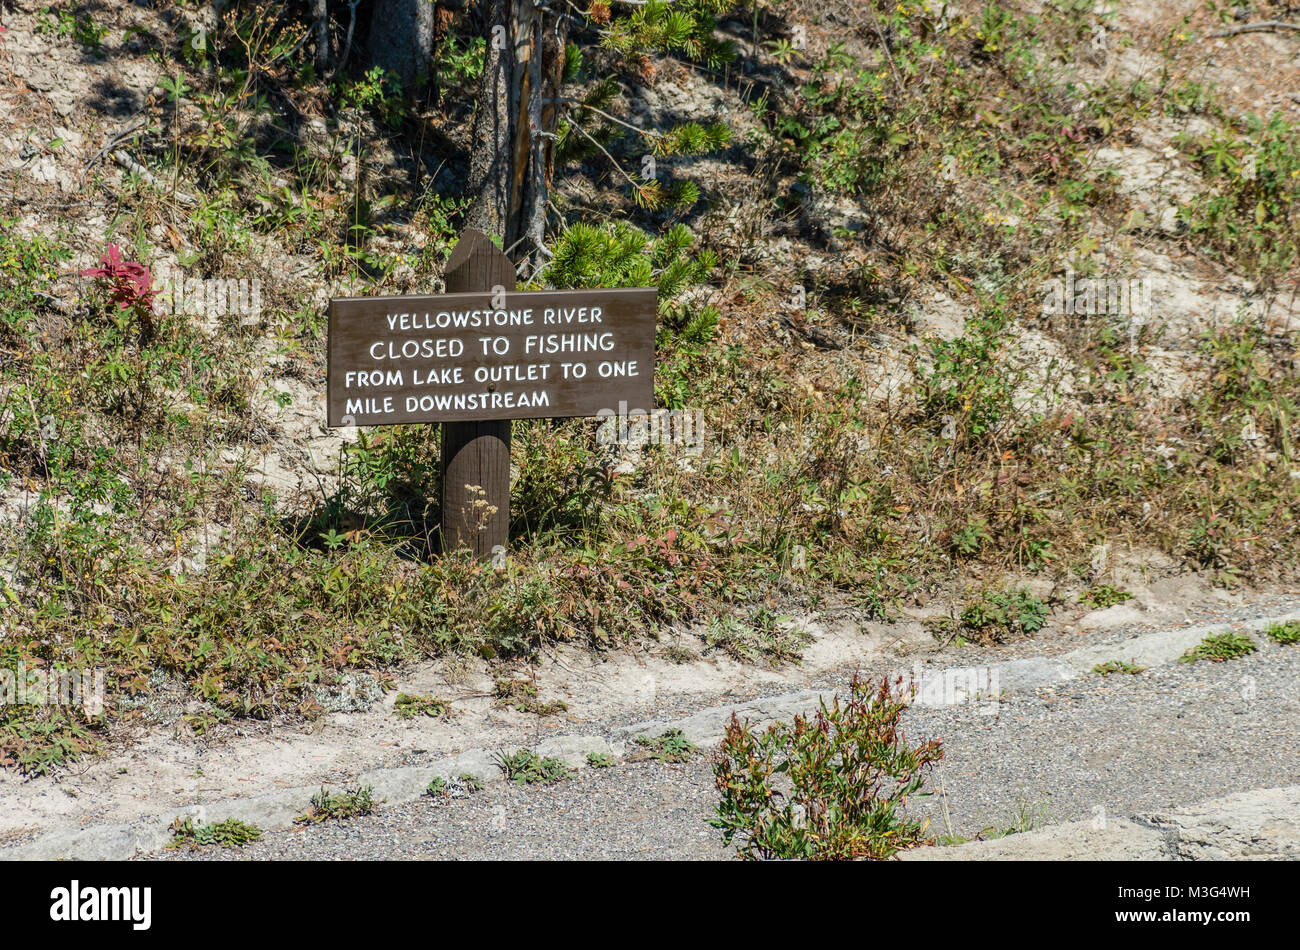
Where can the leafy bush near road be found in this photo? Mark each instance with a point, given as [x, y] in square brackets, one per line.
[230, 833]
[338, 806]
[830, 787]
[525, 767]
[1285, 633]
[1001, 614]
[1221, 646]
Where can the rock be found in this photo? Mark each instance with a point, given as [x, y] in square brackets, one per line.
[832, 215]
[941, 316]
[480, 763]
[1029, 673]
[573, 750]
[397, 785]
[707, 727]
[1261, 824]
[105, 843]
[1119, 615]
[1118, 840]
[1248, 825]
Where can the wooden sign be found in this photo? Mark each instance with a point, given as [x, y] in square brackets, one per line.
[507, 355]
[480, 355]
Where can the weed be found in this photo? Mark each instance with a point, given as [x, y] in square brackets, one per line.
[328, 806]
[965, 385]
[1251, 215]
[408, 706]
[1117, 666]
[1103, 595]
[448, 788]
[39, 739]
[1219, 647]
[525, 767]
[680, 654]
[1025, 816]
[231, 833]
[201, 723]
[129, 284]
[999, 615]
[766, 638]
[458, 62]
[672, 746]
[71, 24]
[1286, 633]
[832, 787]
[600, 760]
[970, 537]
[377, 91]
[522, 695]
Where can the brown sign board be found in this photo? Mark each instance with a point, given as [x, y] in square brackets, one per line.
[476, 356]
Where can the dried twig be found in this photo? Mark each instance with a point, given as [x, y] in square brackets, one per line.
[573, 124]
[108, 146]
[347, 43]
[131, 165]
[1265, 26]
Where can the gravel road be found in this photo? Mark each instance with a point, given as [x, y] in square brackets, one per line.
[1123, 743]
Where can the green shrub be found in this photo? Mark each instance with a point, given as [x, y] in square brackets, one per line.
[326, 806]
[832, 787]
[1249, 214]
[408, 706]
[1104, 595]
[525, 767]
[672, 746]
[1287, 633]
[1219, 647]
[231, 833]
[620, 255]
[998, 615]
[966, 387]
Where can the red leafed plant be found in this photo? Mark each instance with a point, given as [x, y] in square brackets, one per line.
[830, 787]
[129, 284]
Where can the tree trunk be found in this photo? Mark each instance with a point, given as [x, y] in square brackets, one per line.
[321, 14]
[550, 75]
[401, 38]
[489, 157]
[514, 126]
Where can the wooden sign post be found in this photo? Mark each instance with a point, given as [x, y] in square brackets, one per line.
[480, 355]
[476, 455]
